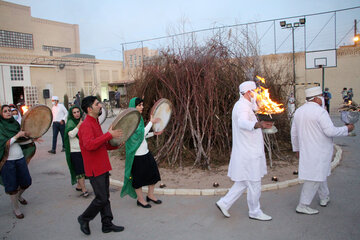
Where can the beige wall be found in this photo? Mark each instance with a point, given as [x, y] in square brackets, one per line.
[45, 32]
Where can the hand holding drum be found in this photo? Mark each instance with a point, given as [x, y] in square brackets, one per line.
[160, 115]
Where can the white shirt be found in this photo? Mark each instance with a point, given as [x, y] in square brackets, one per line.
[15, 151]
[74, 141]
[247, 161]
[312, 133]
[59, 112]
[143, 149]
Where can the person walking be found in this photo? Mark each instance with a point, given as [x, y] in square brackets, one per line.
[72, 150]
[247, 162]
[140, 166]
[327, 97]
[14, 157]
[94, 145]
[312, 133]
[59, 113]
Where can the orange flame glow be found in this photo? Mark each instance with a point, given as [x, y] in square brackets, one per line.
[266, 105]
[24, 109]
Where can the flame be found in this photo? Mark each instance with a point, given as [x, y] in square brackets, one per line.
[266, 105]
[24, 109]
[349, 102]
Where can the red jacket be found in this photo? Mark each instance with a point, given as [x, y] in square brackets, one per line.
[94, 145]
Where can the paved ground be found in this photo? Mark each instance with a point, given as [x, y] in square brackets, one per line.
[54, 206]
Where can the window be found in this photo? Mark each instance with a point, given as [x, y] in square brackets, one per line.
[16, 40]
[71, 90]
[16, 73]
[88, 88]
[56, 49]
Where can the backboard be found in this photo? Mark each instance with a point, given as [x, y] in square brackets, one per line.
[324, 58]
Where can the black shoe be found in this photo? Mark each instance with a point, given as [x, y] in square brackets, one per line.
[84, 226]
[52, 151]
[63, 150]
[142, 205]
[156, 202]
[112, 228]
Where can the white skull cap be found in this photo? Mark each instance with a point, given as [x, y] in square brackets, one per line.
[312, 92]
[247, 86]
[55, 98]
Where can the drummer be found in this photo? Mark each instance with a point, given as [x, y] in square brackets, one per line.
[140, 166]
[14, 171]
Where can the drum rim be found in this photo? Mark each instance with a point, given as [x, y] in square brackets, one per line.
[27, 114]
[156, 106]
[124, 113]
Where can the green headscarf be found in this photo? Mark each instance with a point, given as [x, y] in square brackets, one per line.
[8, 129]
[131, 145]
[71, 123]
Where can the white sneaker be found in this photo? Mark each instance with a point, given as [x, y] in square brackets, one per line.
[262, 217]
[306, 210]
[324, 202]
[223, 210]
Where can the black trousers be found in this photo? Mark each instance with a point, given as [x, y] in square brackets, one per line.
[101, 202]
[57, 127]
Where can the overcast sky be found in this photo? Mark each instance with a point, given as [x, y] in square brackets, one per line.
[105, 24]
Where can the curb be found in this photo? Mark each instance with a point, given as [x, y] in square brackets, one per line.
[223, 191]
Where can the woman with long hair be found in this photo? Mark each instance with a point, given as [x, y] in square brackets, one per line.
[140, 166]
[72, 149]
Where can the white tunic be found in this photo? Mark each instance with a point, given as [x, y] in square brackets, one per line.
[247, 162]
[311, 134]
[143, 149]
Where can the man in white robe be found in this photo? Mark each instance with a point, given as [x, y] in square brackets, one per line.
[312, 133]
[247, 163]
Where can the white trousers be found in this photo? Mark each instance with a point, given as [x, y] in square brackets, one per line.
[309, 190]
[253, 196]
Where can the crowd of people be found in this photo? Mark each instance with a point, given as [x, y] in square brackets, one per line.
[85, 146]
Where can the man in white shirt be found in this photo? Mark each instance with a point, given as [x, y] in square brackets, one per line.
[59, 113]
[312, 133]
[247, 163]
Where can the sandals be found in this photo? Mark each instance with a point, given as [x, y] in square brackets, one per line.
[85, 194]
[23, 201]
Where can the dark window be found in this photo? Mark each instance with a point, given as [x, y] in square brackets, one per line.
[16, 73]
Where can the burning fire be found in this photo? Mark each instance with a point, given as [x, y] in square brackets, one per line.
[266, 105]
[24, 109]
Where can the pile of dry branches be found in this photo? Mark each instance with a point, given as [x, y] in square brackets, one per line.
[202, 84]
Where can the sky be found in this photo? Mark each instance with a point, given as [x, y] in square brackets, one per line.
[105, 25]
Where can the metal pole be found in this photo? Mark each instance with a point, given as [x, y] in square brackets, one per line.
[123, 55]
[274, 37]
[294, 79]
[323, 78]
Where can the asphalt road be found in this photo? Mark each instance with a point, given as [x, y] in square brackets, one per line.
[54, 206]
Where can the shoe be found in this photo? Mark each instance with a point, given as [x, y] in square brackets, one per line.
[20, 216]
[112, 228]
[78, 189]
[63, 150]
[52, 151]
[306, 210]
[84, 226]
[223, 210]
[324, 202]
[142, 205]
[262, 217]
[156, 202]
[85, 194]
[23, 201]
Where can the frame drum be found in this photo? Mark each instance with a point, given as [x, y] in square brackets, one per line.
[36, 121]
[162, 109]
[128, 120]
